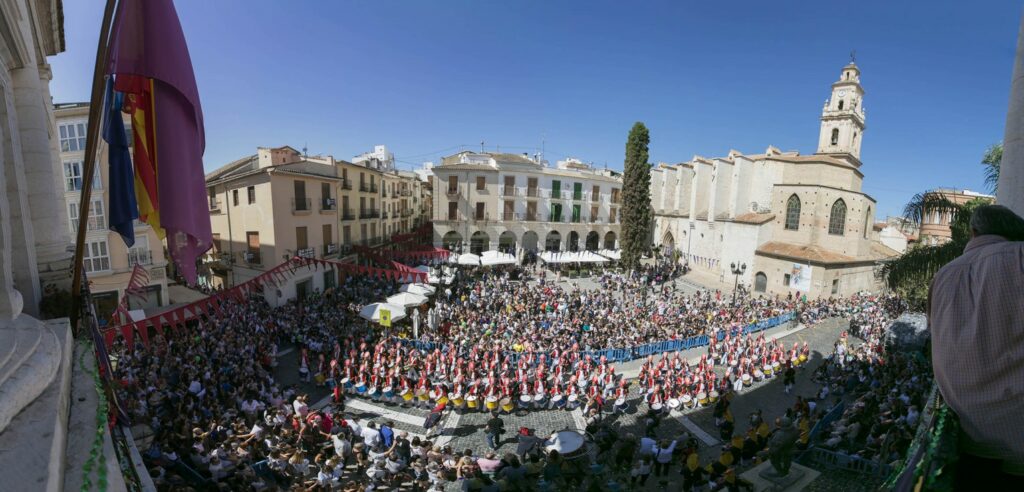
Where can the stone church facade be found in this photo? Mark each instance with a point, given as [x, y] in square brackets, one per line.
[800, 223]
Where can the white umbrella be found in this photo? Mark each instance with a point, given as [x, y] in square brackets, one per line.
[421, 289]
[371, 312]
[469, 259]
[611, 254]
[407, 299]
[491, 258]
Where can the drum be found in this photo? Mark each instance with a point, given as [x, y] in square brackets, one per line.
[572, 402]
[388, 392]
[656, 407]
[673, 403]
[407, 395]
[538, 399]
[507, 404]
[442, 400]
[803, 358]
[434, 394]
[491, 403]
[457, 400]
[688, 401]
[361, 388]
[702, 398]
[776, 368]
[620, 404]
[713, 397]
[557, 401]
[795, 361]
[374, 392]
[758, 375]
[422, 394]
[767, 370]
[733, 363]
[346, 383]
[525, 400]
[746, 380]
[471, 401]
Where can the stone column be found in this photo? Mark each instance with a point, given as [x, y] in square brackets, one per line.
[1011, 172]
[19, 271]
[44, 189]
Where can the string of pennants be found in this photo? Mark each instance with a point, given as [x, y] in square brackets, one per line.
[701, 260]
[275, 277]
[135, 289]
[421, 256]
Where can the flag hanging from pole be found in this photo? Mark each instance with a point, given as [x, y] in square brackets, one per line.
[123, 207]
[152, 67]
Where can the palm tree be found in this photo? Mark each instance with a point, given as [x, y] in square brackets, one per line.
[910, 275]
[993, 156]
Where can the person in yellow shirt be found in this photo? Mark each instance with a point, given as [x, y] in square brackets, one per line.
[693, 474]
[805, 432]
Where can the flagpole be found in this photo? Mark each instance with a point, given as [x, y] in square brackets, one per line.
[91, 143]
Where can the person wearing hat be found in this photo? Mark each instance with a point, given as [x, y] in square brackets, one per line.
[693, 473]
[527, 442]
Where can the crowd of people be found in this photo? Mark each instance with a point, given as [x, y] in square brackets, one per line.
[209, 393]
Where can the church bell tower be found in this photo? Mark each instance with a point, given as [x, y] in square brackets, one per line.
[842, 118]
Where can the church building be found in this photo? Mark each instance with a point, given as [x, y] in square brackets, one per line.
[799, 223]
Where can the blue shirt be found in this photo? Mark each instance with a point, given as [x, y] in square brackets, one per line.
[387, 436]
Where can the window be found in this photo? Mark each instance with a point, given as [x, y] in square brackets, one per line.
[840, 104]
[251, 191]
[97, 219]
[593, 213]
[611, 216]
[73, 176]
[300, 238]
[328, 236]
[329, 278]
[556, 213]
[867, 222]
[785, 279]
[481, 183]
[531, 211]
[556, 189]
[300, 196]
[139, 253]
[346, 235]
[835, 286]
[72, 137]
[252, 254]
[234, 197]
[760, 282]
[453, 210]
[595, 194]
[577, 191]
[837, 220]
[835, 136]
[575, 213]
[453, 184]
[479, 211]
[95, 257]
[793, 213]
[217, 247]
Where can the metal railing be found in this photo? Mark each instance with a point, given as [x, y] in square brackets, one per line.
[252, 258]
[328, 204]
[364, 187]
[481, 217]
[508, 190]
[330, 249]
[139, 257]
[301, 204]
[452, 192]
[306, 253]
[510, 216]
[214, 205]
[371, 213]
[348, 214]
[346, 184]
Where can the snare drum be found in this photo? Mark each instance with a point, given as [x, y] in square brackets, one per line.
[422, 395]
[507, 404]
[758, 375]
[361, 388]
[573, 402]
[457, 400]
[525, 400]
[388, 393]
[346, 383]
[713, 397]
[673, 403]
[767, 370]
[688, 401]
[746, 380]
[491, 402]
[702, 398]
[374, 392]
[620, 404]
[656, 407]
[557, 401]
[795, 361]
[407, 395]
[442, 400]
[776, 367]
[538, 399]
[803, 358]
[471, 402]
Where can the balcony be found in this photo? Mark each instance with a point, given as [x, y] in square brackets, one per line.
[386, 215]
[595, 220]
[406, 192]
[346, 184]
[616, 199]
[306, 253]
[348, 214]
[214, 205]
[394, 194]
[533, 193]
[530, 217]
[330, 249]
[252, 257]
[556, 218]
[481, 217]
[511, 216]
[407, 212]
[556, 194]
[452, 192]
[373, 188]
[328, 205]
[369, 214]
[508, 190]
[301, 206]
[363, 187]
[139, 257]
[579, 197]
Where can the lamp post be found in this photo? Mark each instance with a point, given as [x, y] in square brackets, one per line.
[737, 270]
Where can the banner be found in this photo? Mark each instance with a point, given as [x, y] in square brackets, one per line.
[385, 317]
[800, 277]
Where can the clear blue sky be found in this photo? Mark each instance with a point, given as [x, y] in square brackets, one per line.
[425, 77]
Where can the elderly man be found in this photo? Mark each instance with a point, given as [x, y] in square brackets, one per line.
[976, 317]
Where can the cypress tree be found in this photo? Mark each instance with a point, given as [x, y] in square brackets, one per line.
[636, 198]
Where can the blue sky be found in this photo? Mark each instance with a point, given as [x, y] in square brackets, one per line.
[706, 77]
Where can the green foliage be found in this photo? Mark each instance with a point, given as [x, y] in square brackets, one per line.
[636, 216]
[991, 160]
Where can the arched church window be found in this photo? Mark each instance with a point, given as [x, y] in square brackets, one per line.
[793, 213]
[840, 104]
[867, 222]
[835, 136]
[837, 219]
[760, 282]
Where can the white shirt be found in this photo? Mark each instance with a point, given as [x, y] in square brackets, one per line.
[370, 436]
[300, 408]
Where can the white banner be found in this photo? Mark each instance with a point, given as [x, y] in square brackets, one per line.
[800, 277]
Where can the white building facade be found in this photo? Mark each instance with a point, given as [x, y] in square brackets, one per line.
[799, 223]
[512, 203]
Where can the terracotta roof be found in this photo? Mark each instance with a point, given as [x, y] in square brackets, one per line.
[754, 218]
[879, 226]
[882, 252]
[813, 254]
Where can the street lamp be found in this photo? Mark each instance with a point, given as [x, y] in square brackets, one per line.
[737, 271]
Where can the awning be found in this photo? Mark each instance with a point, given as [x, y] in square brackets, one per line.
[469, 259]
[491, 258]
[572, 257]
[611, 254]
[371, 312]
[407, 299]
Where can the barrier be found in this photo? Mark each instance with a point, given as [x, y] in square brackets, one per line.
[640, 351]
[841, 461]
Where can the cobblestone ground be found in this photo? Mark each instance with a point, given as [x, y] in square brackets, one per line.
[465, 431]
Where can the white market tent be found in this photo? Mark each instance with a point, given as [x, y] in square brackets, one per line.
[491, 258]
[371, 312]
[572, 257]
[424, 268]
[407, 299]
[469, 259]
[611, 254]
[420, 289]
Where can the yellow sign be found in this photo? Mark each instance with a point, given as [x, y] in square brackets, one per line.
[385, 318]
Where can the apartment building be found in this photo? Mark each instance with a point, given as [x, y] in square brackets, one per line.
[935, 223]
[108, 261]
[510, 202]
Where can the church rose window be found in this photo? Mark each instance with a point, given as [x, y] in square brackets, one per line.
[837, 220]
[793, 213]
